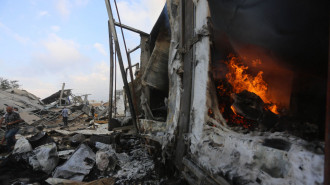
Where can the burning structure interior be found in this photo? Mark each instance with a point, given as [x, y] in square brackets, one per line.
[236, 91]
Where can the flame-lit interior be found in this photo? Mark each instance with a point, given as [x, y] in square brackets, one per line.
[238, 79]
[280, 61]
[241, 80]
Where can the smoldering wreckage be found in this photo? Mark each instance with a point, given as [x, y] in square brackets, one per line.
[220, 96]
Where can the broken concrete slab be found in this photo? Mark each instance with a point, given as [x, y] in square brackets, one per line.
[65, 154]
[78, 165]
[45, 158]
[105, 148]
[86, 109]
[39, 139]
[102, 160]
[101, 130]
[25, 101]
[75, 115]
[58, 181]
[22, 146]
[29, 117]
[77, 139]
[55, 97]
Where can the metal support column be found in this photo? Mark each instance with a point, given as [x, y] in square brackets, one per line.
[186, 33]
[111, 76]
[121, 64]
[129, 65]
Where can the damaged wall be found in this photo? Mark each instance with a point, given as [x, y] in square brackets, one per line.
[174, 70]
[256, 157]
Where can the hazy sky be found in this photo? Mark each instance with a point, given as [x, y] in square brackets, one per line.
[44, 43]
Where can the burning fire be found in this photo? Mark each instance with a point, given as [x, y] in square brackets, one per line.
[240, 81]
[240, 119]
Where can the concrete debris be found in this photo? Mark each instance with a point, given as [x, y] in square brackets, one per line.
[56, 96]
[134, 167]
[22, 146]
[77, 139]
[65, 154]
[87, 151]
[102, 160]
[23, 100]
[29, 117]
[105, 147]
[57, 181]
[78, 165]
[40, 138]
[44, 158]
[183, 133]
[75, 115]
[101, 130]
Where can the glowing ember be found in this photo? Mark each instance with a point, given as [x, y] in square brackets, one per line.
[233, 109]
[273, 108]
[240, 81]
[240, 120]
[210, 113]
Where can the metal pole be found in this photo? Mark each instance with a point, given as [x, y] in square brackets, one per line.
[111, 76]
[62, 94]
[115, 104]
[121, 64]
[131, 29]
[129, 65]
[132, 50]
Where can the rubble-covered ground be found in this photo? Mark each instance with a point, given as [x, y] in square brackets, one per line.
[85, 152]
[48, 154]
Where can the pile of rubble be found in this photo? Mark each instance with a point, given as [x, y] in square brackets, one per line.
[86, 152]
[56, 158]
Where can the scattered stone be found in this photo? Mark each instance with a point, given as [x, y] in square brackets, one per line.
[78, 165]
[102, 160]
[22, 145]
[40, 127]
[45, 158]
[77, 139]
[39, 139]
[65, 154]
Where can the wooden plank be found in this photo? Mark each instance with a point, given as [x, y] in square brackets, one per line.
[187, 33]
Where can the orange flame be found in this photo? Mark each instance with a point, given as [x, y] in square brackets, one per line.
[240, 81]
[239, 119]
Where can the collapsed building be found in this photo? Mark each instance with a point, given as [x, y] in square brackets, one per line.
[226, 92]
[236, 92]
